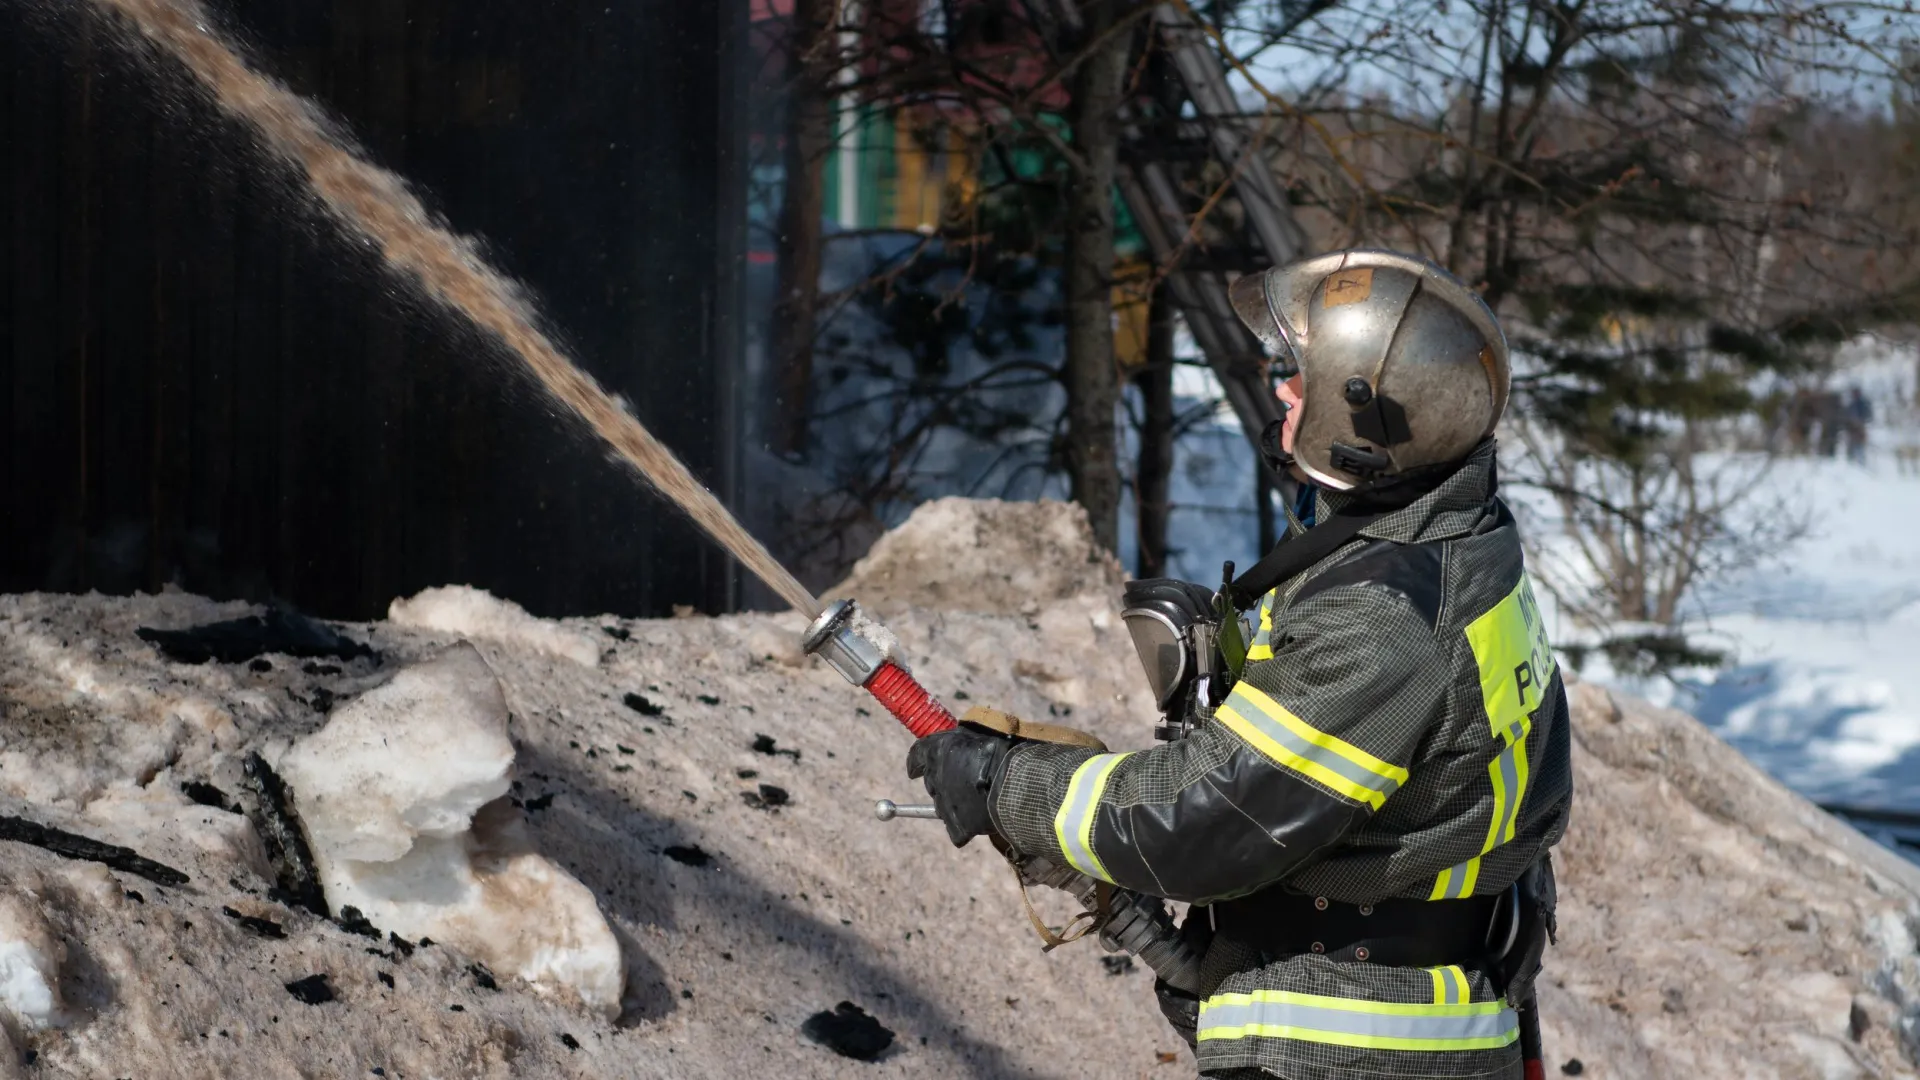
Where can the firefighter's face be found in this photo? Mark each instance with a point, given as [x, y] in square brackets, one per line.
[1291, 393]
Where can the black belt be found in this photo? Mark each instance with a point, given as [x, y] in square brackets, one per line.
[1398, 933]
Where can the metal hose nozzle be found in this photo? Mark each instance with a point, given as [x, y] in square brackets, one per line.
[836, 636]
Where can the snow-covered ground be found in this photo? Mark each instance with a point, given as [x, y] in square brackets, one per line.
[1824, 685]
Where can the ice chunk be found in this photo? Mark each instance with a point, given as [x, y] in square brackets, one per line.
[400, 795]
[476, 613]
[415, 757]
[883, 639]
[30, 958]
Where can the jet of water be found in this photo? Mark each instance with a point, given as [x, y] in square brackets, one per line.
[376, 205]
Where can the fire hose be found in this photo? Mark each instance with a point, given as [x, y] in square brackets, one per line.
[860, 650]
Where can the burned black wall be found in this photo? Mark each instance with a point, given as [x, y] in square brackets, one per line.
[203, 382]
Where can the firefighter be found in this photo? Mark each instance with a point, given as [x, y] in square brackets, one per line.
[1362, 823]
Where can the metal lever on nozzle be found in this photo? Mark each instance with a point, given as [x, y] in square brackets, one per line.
[887, 810]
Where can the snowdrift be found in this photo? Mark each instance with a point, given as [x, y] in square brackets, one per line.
[710, 793]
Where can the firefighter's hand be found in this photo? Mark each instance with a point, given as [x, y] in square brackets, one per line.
[1181, 1009]
[960, 768]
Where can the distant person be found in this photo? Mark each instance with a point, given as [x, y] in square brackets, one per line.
[1800, 421]
[1859, 413]
[1832, 411]
[1358, 819]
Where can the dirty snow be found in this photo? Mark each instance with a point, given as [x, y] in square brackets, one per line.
[983, 555]
[30, 959]
[475, 613]
[1714, 925]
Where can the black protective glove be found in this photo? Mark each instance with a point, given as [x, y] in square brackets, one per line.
[1181, 1009]
[960, 768]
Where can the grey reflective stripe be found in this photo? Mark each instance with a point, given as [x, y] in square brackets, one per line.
[1243, 704]
[1073, 825]
[1372, 1024]
[1509, 772]
[1456, 882]
[1263, 634]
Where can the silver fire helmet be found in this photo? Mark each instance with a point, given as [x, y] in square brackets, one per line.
[1403, 366]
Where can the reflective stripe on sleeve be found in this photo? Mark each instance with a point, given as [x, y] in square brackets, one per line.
[1376, 1025]
[1073, 824]
[1292, 743]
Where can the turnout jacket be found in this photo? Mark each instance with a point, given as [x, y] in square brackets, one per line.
[1399, 731]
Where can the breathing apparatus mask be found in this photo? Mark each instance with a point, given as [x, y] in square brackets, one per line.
[1190, 643]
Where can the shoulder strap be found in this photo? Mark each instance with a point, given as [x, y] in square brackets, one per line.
[1294, 554]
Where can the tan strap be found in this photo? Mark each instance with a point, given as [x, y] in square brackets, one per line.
[1074, 930]
[1008, 724]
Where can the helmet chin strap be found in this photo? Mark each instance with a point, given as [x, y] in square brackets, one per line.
[1283, 463]
[1269, 445]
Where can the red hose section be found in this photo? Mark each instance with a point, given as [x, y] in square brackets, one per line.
[909, 702]
[1536, 1070]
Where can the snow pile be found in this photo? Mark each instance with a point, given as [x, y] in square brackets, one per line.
[1713, 924]
[401, 798]
[983, 555]
[475, 613]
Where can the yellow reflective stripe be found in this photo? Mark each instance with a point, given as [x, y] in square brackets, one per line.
[1292, 743]
[1450, 985]
[1073, 823]
[1456, 882]
[1356, 1005]
[1516, 662]
[1262, 647]
[1497, 771]
[1354, 1022]
[1519, 752]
